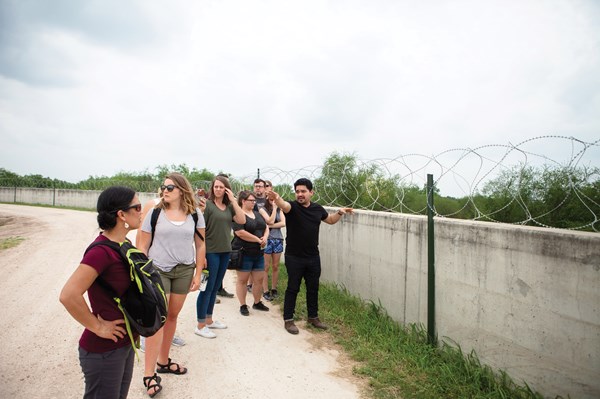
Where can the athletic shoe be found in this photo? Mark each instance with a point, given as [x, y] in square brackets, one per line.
[204, 332]
[249, 288]
[274, 294]
[260, 306]
[244, 310]
[177, 341]
[267, 296]
[216, 324]
[142, 344]
[224, 293]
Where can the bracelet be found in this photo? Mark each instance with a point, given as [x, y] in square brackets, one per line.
[340, 213]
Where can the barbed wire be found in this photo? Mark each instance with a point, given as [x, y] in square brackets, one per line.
[463, 177]
[547, 181]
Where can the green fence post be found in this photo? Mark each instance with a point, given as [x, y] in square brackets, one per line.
[431, 334]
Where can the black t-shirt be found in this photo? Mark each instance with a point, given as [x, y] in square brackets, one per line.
[302, 225]
[254, 226]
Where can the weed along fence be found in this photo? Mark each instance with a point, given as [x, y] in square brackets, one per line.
[526, 299]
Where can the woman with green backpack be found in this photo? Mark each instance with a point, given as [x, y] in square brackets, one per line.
[105, 351]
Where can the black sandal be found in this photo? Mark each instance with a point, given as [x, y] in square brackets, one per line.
[148, 384]
[166, 368]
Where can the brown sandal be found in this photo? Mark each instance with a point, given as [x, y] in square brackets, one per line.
[149, 385]
[166, 368]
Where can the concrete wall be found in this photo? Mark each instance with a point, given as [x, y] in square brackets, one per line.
[57, 197]
[525, 299]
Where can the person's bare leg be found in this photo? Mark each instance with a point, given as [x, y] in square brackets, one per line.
[175, 305]
[240, 286]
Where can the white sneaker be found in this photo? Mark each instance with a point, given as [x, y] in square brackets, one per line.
[142, 344]
[177, 341]
[205, 332]
[216, 324]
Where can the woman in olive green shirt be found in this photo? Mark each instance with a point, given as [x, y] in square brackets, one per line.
[221, 209]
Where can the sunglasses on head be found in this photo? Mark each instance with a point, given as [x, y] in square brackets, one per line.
[169, 187]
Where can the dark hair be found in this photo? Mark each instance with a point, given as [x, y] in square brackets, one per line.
[259, 181]
[303, 182]
[225, 181]
[268, 206]
[244, 194]
[110, 201]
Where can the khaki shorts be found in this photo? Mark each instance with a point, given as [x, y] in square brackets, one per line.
[179, 279]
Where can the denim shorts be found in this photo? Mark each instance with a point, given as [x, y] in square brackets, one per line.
[252, 263]
[274, 246]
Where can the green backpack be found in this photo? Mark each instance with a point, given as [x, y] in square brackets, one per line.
[144, 304]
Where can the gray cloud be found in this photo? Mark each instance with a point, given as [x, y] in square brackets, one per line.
[30, 34]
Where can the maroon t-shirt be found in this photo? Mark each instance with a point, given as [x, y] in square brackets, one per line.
[109, 265]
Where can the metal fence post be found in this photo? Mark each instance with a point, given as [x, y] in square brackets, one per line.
[431, 334]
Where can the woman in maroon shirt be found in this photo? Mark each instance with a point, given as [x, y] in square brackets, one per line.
[105, 351]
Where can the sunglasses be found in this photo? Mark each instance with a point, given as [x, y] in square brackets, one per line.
[169, 187]
[137, 207]
[251, 200]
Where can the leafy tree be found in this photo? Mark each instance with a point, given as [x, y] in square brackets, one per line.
[345, 182]
[563, 197]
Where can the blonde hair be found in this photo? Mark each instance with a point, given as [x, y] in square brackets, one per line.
[188, 200]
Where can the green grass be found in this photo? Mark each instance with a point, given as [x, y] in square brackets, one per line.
[397, 360]
[10, 242]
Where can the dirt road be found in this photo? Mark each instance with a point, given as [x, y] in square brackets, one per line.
[254, 357]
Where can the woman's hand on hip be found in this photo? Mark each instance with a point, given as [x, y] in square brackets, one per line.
[110, 329]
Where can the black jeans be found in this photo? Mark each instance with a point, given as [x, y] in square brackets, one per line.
[298, 268]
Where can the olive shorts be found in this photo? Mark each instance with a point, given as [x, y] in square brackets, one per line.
[179, 279]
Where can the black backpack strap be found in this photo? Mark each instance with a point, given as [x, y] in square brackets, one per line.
[115, 247]
[195, 217]
[153, 221]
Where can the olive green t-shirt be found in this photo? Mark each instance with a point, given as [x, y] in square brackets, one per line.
[218, 227]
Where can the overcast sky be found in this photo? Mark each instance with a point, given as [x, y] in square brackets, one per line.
[90, 88]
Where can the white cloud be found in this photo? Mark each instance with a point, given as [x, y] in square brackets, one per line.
[239, 85]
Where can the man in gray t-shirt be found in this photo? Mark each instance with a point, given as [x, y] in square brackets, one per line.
[259, 193]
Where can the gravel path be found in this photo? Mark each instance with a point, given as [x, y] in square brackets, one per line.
[254, 357]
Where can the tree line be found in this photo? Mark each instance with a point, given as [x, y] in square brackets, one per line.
[551, 196]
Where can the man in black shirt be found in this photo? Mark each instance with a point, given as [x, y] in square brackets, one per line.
[302, 260]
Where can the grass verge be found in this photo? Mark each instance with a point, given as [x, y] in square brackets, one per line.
[10, 242]
[397, 360]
